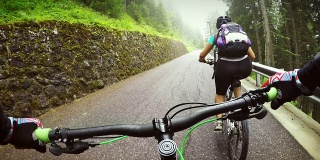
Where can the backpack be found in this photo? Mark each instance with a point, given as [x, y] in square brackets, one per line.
[232, 41]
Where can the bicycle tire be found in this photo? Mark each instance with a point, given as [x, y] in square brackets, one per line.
[240, 127]
[225, 127]
[229, 94]
[239, 136]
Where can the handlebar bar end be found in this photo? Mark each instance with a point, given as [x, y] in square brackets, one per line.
[272, 94]
[42, 134]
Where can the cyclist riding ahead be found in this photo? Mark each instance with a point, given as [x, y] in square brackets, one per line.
[235, 58]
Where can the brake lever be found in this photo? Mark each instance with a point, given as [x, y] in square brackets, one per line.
[75, 147]
[257, 109]
[238, 115]
[260, 115]
[263, 89]
[55, 149]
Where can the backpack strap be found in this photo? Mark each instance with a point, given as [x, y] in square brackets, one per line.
[215, 38]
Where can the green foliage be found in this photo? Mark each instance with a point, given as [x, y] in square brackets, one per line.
[147, 16]
[295, 103]
[112, 8]
[150, 13]
[13, 11]
[134, 11]
[12, 6]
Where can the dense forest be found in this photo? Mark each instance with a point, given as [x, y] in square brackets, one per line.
[285, 33]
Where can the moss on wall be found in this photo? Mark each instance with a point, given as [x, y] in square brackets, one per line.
[48, 64]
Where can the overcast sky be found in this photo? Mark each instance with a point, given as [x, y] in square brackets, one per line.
[196, 12]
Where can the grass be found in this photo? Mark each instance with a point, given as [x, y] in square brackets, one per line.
[13, 11]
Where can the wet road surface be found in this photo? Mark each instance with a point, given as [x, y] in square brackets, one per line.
[143, 97]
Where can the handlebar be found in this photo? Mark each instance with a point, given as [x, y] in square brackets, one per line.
[210, 61]
[237, 107]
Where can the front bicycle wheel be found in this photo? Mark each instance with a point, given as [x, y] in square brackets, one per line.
[238, 139]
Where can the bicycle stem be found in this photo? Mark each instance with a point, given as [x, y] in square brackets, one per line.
[167, 147]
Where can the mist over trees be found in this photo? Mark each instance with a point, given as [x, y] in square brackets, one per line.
[149, 12]
[285, 33]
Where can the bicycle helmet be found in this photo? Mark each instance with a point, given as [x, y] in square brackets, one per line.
[222, 20]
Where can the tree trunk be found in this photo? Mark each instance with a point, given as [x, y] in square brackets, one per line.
[289, 47]
[256, 30]
[286, 11]
[269, 46]
[295, 36]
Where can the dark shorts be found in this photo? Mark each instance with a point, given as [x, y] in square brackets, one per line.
[226, 70]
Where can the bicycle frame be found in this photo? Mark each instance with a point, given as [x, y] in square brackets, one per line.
[230, 91]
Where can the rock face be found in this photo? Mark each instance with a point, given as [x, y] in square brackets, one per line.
[48, 64]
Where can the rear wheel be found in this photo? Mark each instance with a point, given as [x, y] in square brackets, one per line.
[229, 94]
[237, 133]
[238, 137]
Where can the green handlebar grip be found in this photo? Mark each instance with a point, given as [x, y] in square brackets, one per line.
[272, 94]
[43, 134]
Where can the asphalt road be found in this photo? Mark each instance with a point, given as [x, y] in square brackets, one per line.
[150, 94]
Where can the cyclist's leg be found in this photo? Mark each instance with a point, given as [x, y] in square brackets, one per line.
[238, 143]
[218, 99]
[244, 69]
[224, 73]
[237, 91]
[223, 78]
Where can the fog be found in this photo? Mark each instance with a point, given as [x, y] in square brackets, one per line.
[197, 13]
